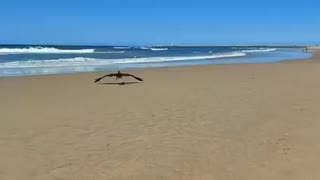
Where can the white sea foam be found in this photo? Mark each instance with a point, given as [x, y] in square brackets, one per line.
[259, 50]
[159, 49]
[82, 61]
[46, 50]
[42, 50]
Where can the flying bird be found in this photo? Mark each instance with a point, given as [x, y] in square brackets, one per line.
[118, 75]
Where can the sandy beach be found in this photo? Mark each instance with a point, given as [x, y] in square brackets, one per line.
[224, 122]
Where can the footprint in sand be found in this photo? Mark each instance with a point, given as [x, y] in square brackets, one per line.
[108, 147]
[284, 145]
[300, 108]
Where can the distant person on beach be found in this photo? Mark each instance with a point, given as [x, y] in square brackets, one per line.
[306, 49]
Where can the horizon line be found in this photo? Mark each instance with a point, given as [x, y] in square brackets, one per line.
[163, 45]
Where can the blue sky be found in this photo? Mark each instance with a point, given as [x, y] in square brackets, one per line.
[155, 22]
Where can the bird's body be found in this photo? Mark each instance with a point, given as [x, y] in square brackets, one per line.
[118, 75]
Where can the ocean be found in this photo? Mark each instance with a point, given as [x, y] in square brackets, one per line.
[26, 60]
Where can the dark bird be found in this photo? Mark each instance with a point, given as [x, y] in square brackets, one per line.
[118, 75]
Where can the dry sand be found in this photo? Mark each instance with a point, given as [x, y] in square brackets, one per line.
[223, 122]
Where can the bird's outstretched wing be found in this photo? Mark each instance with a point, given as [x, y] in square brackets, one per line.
[137, 78]
[100, 78]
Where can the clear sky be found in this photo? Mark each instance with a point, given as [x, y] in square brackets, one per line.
[155, 22]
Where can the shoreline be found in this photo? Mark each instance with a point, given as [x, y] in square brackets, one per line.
[312, 50]
[243, 121]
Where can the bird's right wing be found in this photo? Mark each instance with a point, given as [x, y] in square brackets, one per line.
[137, 78]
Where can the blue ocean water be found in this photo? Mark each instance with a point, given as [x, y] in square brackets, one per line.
[24, 60]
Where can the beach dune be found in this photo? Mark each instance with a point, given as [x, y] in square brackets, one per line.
[244, 122]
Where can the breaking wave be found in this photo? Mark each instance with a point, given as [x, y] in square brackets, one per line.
[82, 61]
[145, 48]
[259, 50]
[159, 49]
[122, 47]
[43, 50]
